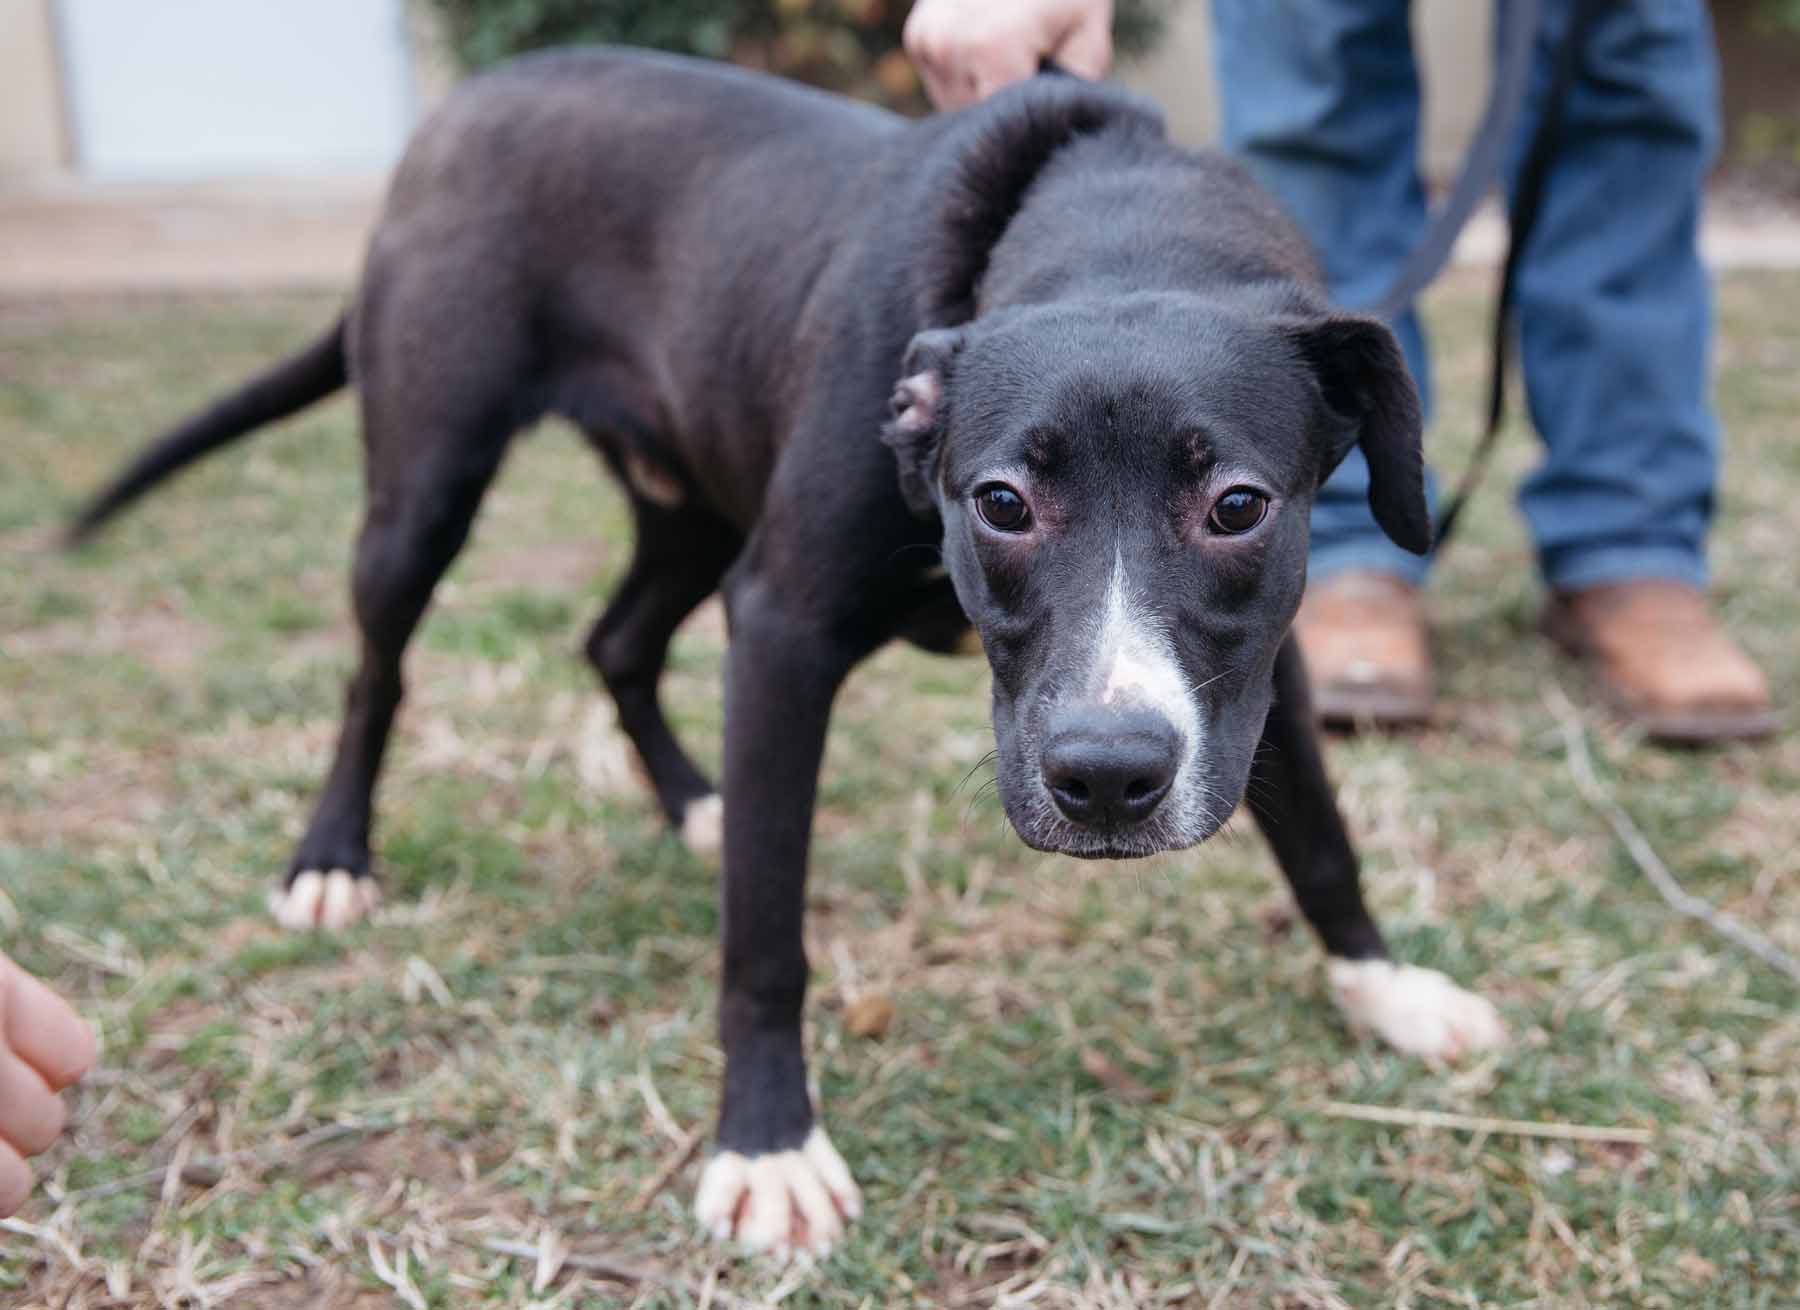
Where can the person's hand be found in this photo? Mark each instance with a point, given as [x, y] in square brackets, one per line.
[966, 50]
[44, 1046]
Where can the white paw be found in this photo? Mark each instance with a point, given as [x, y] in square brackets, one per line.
[331, 901]
[783, 1203]
[1418, 1011]
[703, 827]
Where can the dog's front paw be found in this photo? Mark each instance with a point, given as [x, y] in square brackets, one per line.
[1418, 1011]
[782, 1203]
[703, 827]
[329, 901]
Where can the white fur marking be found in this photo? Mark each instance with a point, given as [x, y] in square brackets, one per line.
[1418, 1011]
[770, 1202]
[703, 827]
[329, 901]
[1134, 664]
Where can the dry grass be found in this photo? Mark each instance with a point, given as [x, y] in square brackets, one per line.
[1100, 1086]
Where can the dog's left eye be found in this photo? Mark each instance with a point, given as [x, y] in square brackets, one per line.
[1237, 511]
[1002, 508]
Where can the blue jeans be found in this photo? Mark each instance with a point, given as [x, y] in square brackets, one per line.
[1321, 98]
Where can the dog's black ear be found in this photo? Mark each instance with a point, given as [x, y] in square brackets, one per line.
[970, 189]
[1375, 405]
[915, 427]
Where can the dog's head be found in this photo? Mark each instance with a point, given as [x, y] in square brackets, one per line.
[1124, 487]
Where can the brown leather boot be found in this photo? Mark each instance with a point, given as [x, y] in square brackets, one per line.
[1663, 660]
[1363, 638]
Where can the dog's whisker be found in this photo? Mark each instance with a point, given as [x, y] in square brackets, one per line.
[917, 545]
[990, 758]
[989, 788]
[1196, 687]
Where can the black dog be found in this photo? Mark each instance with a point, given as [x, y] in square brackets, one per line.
[1111, 382]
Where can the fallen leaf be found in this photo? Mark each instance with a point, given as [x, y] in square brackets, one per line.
[869, 1015]
[1121, 1084]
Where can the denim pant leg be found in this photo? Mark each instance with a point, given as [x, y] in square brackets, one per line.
[1614, 306]
[1321, 100]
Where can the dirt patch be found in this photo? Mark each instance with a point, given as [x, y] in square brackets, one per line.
[114, 797]
[561, 566]
[167, 642]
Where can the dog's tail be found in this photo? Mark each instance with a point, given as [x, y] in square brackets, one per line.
[288, 387]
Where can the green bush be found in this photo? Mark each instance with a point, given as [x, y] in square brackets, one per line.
[851, 46]
[1780, 14]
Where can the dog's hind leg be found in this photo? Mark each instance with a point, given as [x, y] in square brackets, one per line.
[1416, 1010]
[682, 551]
[409, 536]
[434, 437]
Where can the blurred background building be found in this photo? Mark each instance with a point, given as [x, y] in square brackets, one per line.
[180, 90]
[183, 90]
[166, 143]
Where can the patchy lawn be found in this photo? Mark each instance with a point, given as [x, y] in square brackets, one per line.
[1102, 1085]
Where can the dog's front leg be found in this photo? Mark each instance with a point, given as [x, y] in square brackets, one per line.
[776, 1183]
[1416, 1010]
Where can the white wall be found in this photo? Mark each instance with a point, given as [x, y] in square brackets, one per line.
[190, 89]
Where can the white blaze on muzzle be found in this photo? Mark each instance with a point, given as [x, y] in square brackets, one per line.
[1135, 664]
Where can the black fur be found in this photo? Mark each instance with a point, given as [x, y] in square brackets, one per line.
[1364, 378]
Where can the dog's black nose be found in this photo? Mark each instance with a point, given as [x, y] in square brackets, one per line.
[1110, 768]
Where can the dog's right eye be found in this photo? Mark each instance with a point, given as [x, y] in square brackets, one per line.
[1002, 508]
[1237, 511]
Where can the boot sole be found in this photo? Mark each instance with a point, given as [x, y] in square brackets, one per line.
[1700, 729]
[1349, 708]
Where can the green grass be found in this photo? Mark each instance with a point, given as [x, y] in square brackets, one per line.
[543, 972]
